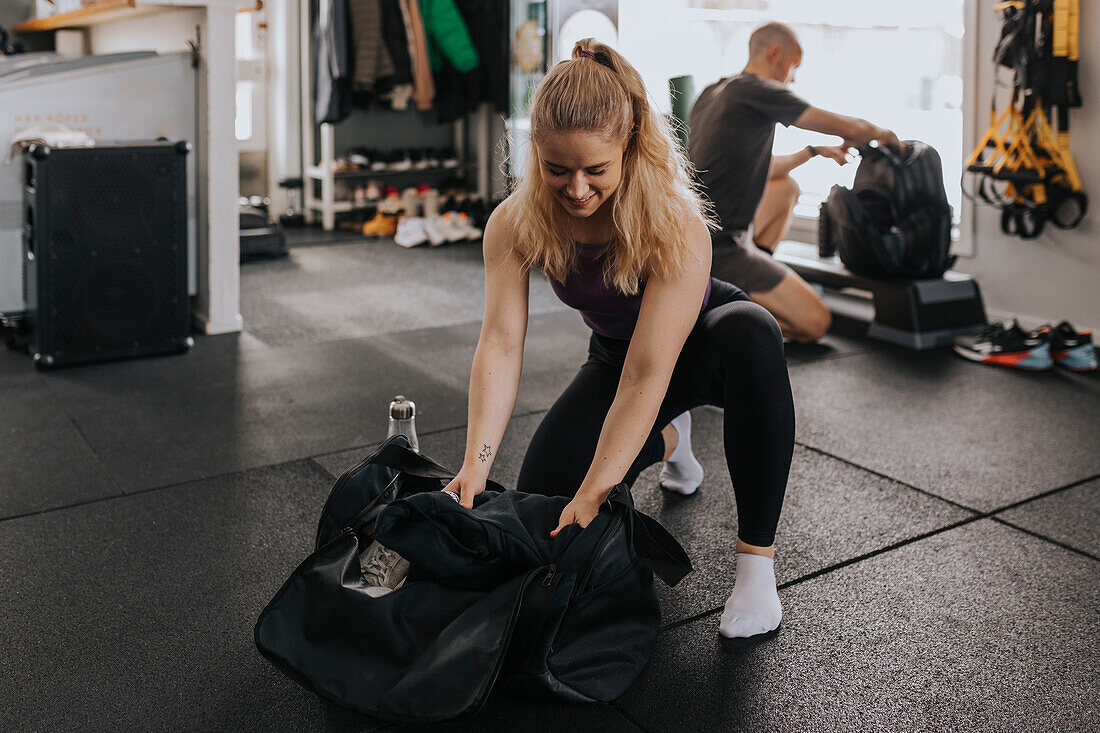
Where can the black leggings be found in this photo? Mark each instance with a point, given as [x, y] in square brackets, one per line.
[732, 359]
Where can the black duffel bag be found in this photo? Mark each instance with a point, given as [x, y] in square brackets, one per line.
[490, 600]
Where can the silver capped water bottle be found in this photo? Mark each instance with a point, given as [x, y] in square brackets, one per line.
[403, 420]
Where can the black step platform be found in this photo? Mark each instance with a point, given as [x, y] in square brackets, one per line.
[920, 314]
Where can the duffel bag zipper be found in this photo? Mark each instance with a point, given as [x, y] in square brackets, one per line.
[479, 702]
[340, 482]
[611, 527]
[549, 575]
[349, 527]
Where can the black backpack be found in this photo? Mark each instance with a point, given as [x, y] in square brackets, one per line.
[490, 600]
[895, 220]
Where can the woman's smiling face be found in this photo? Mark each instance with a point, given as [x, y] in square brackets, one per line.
[583, 169]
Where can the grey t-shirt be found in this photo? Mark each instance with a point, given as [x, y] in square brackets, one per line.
[730, 141]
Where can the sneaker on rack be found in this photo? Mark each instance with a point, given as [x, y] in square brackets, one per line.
[359, 157]
[342, 165]
[382, 569]
[1011, 347]
[373, 191]
[429, 200]
[452, 227]
[392, 203]
[434, 228]
[410, 231]
[401, 161]
[380, 162]
[1072, 349]
[384, 224]
[472, 233]
[447, 158]
[410, 201]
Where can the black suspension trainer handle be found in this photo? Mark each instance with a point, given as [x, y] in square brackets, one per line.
[1025, 222]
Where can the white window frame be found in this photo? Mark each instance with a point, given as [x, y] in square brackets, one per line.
[804, 228]
[252, 68]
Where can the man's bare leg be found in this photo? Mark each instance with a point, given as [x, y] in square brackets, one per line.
[800, 311]
[775, 213]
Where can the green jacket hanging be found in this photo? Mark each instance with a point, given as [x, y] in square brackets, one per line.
[447, 35]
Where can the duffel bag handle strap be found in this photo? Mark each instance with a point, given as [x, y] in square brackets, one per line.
[652, 543]
[397, 455]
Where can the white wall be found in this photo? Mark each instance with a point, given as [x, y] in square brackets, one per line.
[1057, 275]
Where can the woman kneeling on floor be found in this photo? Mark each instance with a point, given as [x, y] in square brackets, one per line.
[607, 210]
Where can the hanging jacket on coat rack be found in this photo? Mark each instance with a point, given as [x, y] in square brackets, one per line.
[397, 42]
[332, 75]
[372, 58]
[448, 37]
[423, 84]
[459, 94]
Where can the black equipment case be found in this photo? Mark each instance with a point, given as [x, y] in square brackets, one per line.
[105, 251]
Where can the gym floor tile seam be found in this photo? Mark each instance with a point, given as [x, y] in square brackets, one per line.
[910, 540]
[91, 448]
[1038, 535]
[888, 477]
[837, 566]
[624, 715]
[436, 431]
[932, 494]
[636, 723]
[1045, 494]
[804, 361]
[155, 489]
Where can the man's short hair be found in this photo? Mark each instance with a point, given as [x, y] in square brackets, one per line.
[774, 32]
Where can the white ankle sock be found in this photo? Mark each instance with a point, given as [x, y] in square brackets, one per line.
[682, 472]
[753, 607]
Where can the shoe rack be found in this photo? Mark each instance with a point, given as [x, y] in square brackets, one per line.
[319, 164]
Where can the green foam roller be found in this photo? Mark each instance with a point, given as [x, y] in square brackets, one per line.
[682, 91]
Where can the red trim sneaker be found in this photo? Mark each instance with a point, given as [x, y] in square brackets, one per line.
[1011, 347]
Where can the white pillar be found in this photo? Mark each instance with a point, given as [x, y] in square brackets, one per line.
[217, 306]
[284, 139]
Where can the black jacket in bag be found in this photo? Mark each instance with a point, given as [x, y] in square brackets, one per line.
[895, 220]
[490, 600]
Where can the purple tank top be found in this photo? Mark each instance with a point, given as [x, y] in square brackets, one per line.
[606, 310]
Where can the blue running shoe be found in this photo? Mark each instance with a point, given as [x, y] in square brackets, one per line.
[1073, 349]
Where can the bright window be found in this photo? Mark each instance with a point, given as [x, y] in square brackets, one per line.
[899, 65]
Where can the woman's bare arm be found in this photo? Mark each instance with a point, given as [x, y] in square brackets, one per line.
[498, 359]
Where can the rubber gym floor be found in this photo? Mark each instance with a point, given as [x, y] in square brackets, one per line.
[938, 554]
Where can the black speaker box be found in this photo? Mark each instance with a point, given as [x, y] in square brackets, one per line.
[105, 251]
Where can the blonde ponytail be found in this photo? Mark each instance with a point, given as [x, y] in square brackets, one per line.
[599, 91]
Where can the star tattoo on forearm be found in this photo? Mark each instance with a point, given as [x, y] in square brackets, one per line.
[486, 451]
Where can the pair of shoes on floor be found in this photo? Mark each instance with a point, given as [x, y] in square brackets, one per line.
[1038, 350]
[435, 230]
